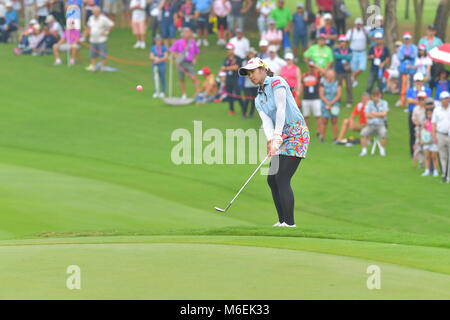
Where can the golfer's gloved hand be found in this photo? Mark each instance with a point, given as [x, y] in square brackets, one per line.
[276, 143]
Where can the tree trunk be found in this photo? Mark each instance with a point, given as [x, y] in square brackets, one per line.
[364, 4]
[377, 3]
[407, 10]
[441, 19]
[308, 6]
[251, 18]
[418, 11]
[390, 25]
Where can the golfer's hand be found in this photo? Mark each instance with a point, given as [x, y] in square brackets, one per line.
[276, 144]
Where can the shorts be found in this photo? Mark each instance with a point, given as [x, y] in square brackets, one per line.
[125, 5]
[235, 19]
[357, 126]
[138, 27]
[203, 20]
[313, 105]
[98, 50]
[297, 38]
[222, 21]
[432, 147]
[359, 60]
[186, 67]
[110, 6]
[369, 130]
[326, 113]
[66, 46]
[167, 29]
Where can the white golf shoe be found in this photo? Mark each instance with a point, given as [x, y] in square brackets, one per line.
[137, 45]
[426, 173]
[278, 224]
[382, 152]
[435, 173]
[363, 152]
[162, 95]
[284, 224]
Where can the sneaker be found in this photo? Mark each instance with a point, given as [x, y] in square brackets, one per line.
[162, 95]
[318, 135]
[205, 42]
[335, 141]
[363, 152]
[435, 173]
[322, 140]
[142, 45]
[382, 152]
[199, 42]
[348, 105]
[398, 103]
[57, 62]
[355, 84]
[426, 173]
[91, 68]
[184, 97]
[137, 45]
[278, 224]
[155, 95]
[72, 62]
[406, 110]
[284, 224]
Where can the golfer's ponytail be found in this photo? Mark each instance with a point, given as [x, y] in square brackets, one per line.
[269, 72]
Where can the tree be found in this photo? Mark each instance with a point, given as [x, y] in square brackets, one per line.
[364, 4]
[441, 19]
[407, 10]
[308, 7]
[390, 25]
[418, 11]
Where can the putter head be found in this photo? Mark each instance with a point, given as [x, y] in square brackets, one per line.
[218, 209]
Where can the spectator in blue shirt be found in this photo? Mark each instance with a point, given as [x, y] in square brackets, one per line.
[407, 54]
[343, 56]
[168, 15]
[329, 30]
[300, 22]
[204, 8]
[159, 55]
[11, 22]
[412, 100]
[380, 56]
[441, 85]
[379, 28]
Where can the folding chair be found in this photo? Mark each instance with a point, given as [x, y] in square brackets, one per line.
[376, 142]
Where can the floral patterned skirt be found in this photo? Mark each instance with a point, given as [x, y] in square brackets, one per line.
[297, 141]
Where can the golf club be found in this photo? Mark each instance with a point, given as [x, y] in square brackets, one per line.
[245, 184]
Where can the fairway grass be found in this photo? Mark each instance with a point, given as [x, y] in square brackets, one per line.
[87, 179]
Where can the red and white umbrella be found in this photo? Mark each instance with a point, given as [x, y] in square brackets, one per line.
[441, 53]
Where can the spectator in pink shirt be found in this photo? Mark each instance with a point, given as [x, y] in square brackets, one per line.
[221, 9]
[186, 53]
[272, 35]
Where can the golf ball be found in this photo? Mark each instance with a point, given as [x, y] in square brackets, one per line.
[139, 88]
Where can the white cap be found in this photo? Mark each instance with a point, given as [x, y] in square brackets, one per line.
[378, 35]
[418, 76]
[252, 64]
[327, 16]
[222, 74]
[32, 22]
[49, 19]
[358, 21]
[263, 43]
[379, 17]
[422, 94]
[37, 26]
[272, 48]
[444, 95]
[8, 4]
[289, 56]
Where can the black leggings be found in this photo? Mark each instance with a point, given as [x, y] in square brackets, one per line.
[280, 184]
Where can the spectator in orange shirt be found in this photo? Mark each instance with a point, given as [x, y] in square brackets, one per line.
[350, 123]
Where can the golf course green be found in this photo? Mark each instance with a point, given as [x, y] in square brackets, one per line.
[87, 179]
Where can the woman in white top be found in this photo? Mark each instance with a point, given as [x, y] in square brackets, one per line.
[138, 21]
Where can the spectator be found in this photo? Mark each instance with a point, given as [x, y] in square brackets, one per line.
[441, 132]
[110, 8]
[274, 62]
[343, 57]
[204, 9]
[430, 41]
[159, 55]
[379, 54]
[407, 54]
[240, 43]
[264, 8]
[45, 43]
[283, 21]
[329, 30]
[231, 66]
[376, 111]
[222, 95]
[412, 100]
[263, 46]
[186, 53]
[378, 28]
[340, 13]
[357, 37]
[41, 10]
[11, 23]
[324, 6]
[330, 94]
[311, 101]
[57, 10]
[88, 7]
[235, 18]
[392, 72]
[320, 54]
[417, 118]
[98, 28]
[443, 84]
[250, 89]
[168, 12]
[208, 91]
[125, 19]
[293, 76]
[155, 17]
[429, 147]
[69, 42]
[55, 27]
[423, 64]
[350, 123]
[29, 10]
[300, 34]
[25, 38]
[189, 14]
[222, 8]
[138, 22]
[272, 35]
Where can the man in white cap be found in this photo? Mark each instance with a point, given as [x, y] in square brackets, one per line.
[263, 46]
[380, 56]
[329, 30]
[54, 27]
[240, 43]
[357, 38]
[11, 23]
[274, 62]
[441, 133]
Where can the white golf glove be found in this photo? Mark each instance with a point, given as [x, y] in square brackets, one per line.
[277, 141]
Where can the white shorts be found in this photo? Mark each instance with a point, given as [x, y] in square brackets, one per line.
[430, 147]
[308, 105]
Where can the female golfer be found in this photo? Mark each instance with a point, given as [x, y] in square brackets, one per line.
[280, 115]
